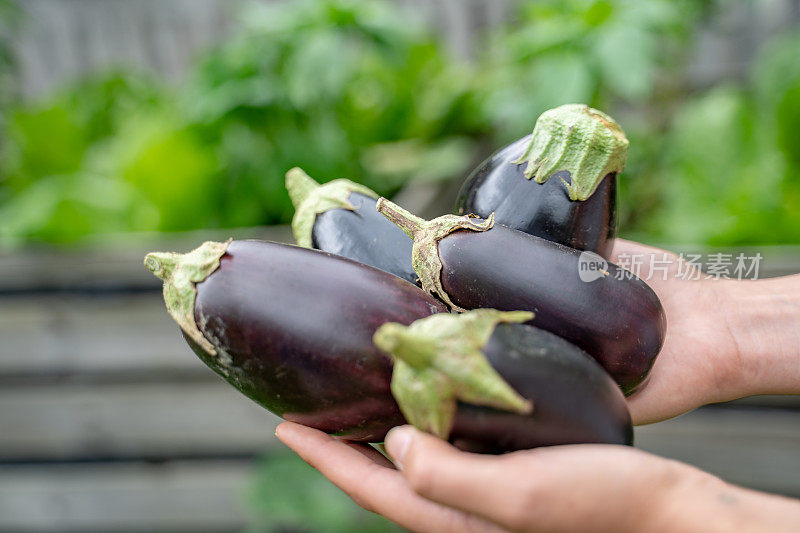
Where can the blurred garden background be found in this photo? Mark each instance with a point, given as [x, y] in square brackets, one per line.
[174, 121]
[153, 131]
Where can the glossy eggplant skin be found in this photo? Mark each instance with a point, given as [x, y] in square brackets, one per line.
[574, 400]
[366, 236]
[293, 330]
[542, 209]
[617, 319]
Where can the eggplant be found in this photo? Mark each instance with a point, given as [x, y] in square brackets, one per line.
[340, 217]
[558, 183]
[545, 210]
[292, 329]
[449, 376]
[469, 263]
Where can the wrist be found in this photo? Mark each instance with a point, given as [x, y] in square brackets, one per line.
[684, 506]
[762, 318]
[701, 502]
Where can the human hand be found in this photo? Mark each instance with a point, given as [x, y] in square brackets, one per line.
[588, 488]
[699, 360]
[726, 339]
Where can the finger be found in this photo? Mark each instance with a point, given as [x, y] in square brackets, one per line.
[559, 488]
[373, 486]
[626, 247]
[645, 408]
[489, 486]
[670, 390]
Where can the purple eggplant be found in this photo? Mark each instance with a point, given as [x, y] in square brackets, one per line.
[532, 387]
[340, 217]
[601, 308]
[559, 183]
[293, 329]
[545, 210]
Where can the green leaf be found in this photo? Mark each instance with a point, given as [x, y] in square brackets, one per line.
[42, 142]
[287, 494]
[627, 57]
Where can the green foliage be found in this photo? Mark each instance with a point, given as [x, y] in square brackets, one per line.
[626, 57]
[289, 495]
[602, 53]
[51, 187]
[321, 85]
[719, 166]
[731, 173]
[348, 88]
[339, 87]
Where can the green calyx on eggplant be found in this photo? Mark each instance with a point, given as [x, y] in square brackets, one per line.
[292, 329]
[530, 185]
[616, 318]
[426, 235]
[181, 272]
[575, 138]
[340, 217]
[490, 384]
[438, 361]
[498, 186]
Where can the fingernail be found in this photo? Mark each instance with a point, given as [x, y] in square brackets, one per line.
[397, 442]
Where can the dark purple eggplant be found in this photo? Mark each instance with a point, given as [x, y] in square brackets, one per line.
[614, 316]
[545, 210]
[340, 217]
[550, 392]
[574, 400]
[529, 184]
[292, 329]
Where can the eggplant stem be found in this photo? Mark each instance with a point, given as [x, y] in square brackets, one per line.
[439, 360]
[397, 340]
[162, 264]
[310, 199]
[405, 220]
[180, 273]
[299, 185]
[426, 235]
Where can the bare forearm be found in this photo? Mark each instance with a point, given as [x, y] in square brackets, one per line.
[764, 320]
[707, 504]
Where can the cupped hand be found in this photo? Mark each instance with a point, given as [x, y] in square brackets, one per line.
[588, 488]
[699, 359]
[726, 338]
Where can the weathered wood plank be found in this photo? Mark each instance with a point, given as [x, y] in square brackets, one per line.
[177, 496]
[63, 334]
[63, 40]
[155, 420]
[772, 401]
[759, 448]
[204, 495]
[110, 261]
[756, 448]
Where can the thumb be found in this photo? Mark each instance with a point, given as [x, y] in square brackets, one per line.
[401, 439]
[437, 471]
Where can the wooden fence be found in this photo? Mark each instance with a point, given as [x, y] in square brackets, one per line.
[60, 40]
[109, 422]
